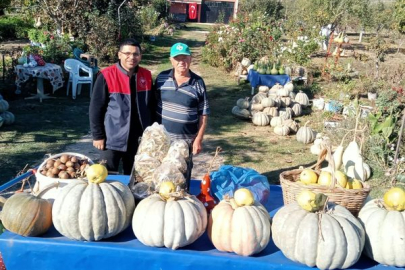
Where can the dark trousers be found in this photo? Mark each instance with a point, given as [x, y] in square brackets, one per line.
[113, 158]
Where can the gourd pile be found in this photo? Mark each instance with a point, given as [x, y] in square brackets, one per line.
[6, 118]
[275, 107]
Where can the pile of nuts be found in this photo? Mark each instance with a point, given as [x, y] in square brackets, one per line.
[65, 167]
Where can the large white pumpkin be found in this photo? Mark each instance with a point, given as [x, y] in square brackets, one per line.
[89, 211]
[173, 223]
[385, 233]
[329, 240]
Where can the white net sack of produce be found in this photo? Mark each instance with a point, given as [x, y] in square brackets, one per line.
[155, 142]
[177, 160]
[168, 172]
[144, 167]
[179, 147]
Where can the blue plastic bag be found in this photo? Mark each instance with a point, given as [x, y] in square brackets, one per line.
[229, 178]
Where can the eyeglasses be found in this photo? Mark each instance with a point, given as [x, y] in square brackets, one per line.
[128, 54]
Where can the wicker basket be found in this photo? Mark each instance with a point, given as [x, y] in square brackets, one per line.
[352, 199]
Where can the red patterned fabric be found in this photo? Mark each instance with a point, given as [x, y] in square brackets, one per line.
[2, 266]
[192, 11]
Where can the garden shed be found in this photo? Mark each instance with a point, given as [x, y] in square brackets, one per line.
[206, 11]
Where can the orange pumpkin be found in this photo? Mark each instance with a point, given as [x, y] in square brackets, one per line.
[244, 230]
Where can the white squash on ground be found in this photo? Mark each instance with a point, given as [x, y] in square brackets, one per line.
[292, 125]
[241, 113]
[260, 119]
[243, 103]
[91, 212]
[305, 134]
[171, 223]
[276, 121]
[286, 113]
[385, 233]
[282, 130]
[328, 240]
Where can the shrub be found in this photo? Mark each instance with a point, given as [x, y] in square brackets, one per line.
[13, 27]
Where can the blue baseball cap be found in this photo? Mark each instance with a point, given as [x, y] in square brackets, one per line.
[179, 49]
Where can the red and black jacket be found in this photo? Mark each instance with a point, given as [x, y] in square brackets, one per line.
[110, 105]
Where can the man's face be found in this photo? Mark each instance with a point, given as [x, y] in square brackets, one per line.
[181, 63]
[129, 56]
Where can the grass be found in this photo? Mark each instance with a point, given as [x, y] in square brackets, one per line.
[40, 129]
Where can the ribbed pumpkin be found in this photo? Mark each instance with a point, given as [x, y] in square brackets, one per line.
[297, 109]
[256, 107]
[272, 111]
[3, 105]
[274, 90]
[257, 99]
[243, 103]
[241, 113]
[282, 130]
[385, 233]
[289, 86]
[285, 102]
[173, 223]
[286, 113]
[282, 92]
[302, 99]
[291, 124]
[260, 119]
[263, 89]
[243, 229]
[327, 240]
[26, 214]
[305, 134]
[276, 121]
[89, 211]
[8, 118]
[268, 102]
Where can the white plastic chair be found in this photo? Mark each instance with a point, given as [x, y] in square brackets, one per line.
[74, 66]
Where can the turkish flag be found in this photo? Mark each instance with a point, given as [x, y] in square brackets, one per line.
[192, 11]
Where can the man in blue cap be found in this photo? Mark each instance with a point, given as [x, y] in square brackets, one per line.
[182, 104]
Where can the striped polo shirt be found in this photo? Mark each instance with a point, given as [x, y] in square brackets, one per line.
[180, 106]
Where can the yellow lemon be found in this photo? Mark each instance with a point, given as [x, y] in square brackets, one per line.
[325, 178]
[243, 197]
[166, 188]
[308, 176]
[96, 173]
[394, 199]
[341, 178]
[311, 201]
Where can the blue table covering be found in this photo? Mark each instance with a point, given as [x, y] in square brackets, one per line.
[124, 251]
[256, 79]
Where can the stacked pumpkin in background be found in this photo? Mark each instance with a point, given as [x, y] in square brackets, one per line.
[275, 107]
[6, 117]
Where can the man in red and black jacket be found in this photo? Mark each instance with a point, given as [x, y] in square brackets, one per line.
[121, 107]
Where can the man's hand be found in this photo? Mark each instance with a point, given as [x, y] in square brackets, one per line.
[99, 144]
[197, 146]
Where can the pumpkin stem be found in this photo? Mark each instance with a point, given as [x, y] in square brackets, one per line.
[233, 204]
[174, 196]
[41, 192]
[306, 123]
